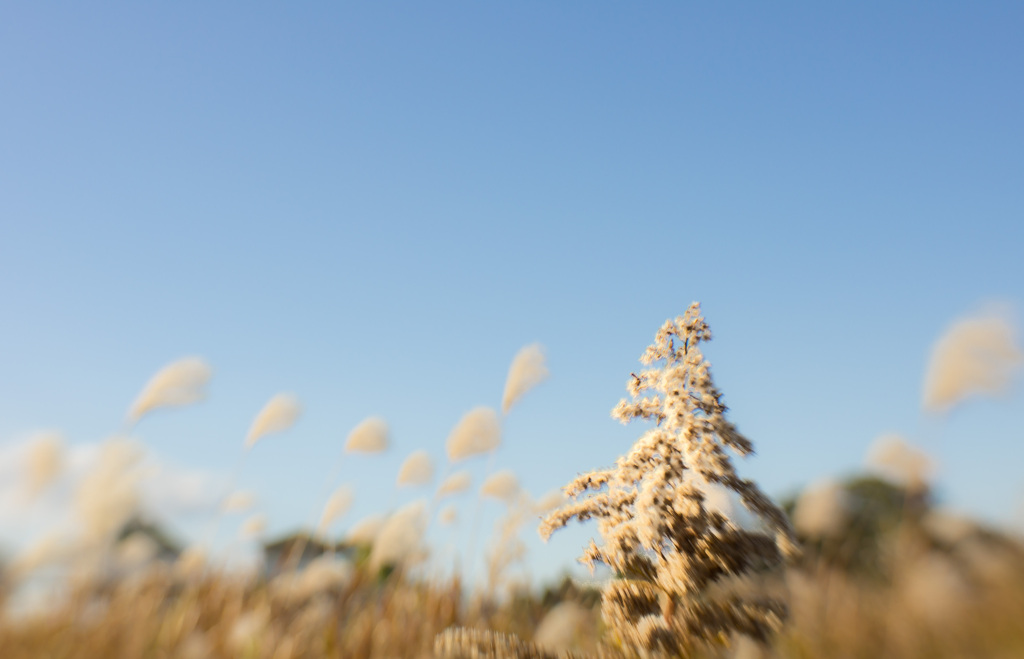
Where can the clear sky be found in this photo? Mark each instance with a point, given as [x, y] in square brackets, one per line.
[375, 205]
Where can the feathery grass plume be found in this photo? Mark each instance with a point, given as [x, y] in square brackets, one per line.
[526, 372]
[337, 505]
[503, 486]
[179, 383]
[667, 546]
[107, 496]
[370, 436]
[549, 502]
[279, 414]
[448, 515]
[976, 356]
[238, 502]
[45, 460]
[254, 526]
[454, 484]
[477, 432]
[365, 531]
[821, 510]
[418, 469]
[894, 458]
[400, 538]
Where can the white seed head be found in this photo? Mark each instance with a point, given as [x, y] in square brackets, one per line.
[977, 356]
[822, 510]
[894, 458]
[528, 369]
[370, 436]
[279, 414]
[418, 469]
[179, 383]
[238, 502]
[476, 433]
[400, 537]
[502, 485]
[107, 496]
[45, 460]
[254, 526]
[365, 531]
[448, 515]
[337, 505]
[454, 484]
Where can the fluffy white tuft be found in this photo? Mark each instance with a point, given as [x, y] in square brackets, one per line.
[528, 369]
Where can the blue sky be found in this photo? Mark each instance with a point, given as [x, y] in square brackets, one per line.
[376, 205]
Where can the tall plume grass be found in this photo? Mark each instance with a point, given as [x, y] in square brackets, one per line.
[478, 432]
[658, 533]
[528, 369]
[976, 356]
[279, 414]
[182, 382]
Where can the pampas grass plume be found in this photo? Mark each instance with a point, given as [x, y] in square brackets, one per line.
[477, 432]
[528, 369]
[238, 502]
[399, 539]
[108, 494]
[279, 414]
[254, 526]
[454, 484]
[179, 383]
[976, 356]
[365, 531]
[370, 436]
[502, 485]
[448, 515]
[337, 505]
[45, 460]
[894, 458]
[418, 469]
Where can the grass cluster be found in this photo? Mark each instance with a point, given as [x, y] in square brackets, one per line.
[867, 567]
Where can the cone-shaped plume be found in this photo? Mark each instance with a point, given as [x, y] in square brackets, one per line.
[527, 371]
[476, 433]
[418, 469]
[179, 383]
[976, 356]
[503, 486]
[457, 482]
[279, 414]
[370, 436]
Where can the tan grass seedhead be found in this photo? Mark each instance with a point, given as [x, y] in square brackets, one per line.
[370, 436]
[45, 460]
[279, 414]
[417, 470]
[528, 369]
[503, 486]
[976, 356]
[477, 432]
[666, 546]
[179, 383]
[455, 484]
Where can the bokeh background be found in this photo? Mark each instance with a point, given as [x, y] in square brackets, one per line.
[375, 206]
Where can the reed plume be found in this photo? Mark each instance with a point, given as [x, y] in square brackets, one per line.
[370, 436]
[179, 383]
[667, 548]
[279, 414]
[476, 433]
[528, 369]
